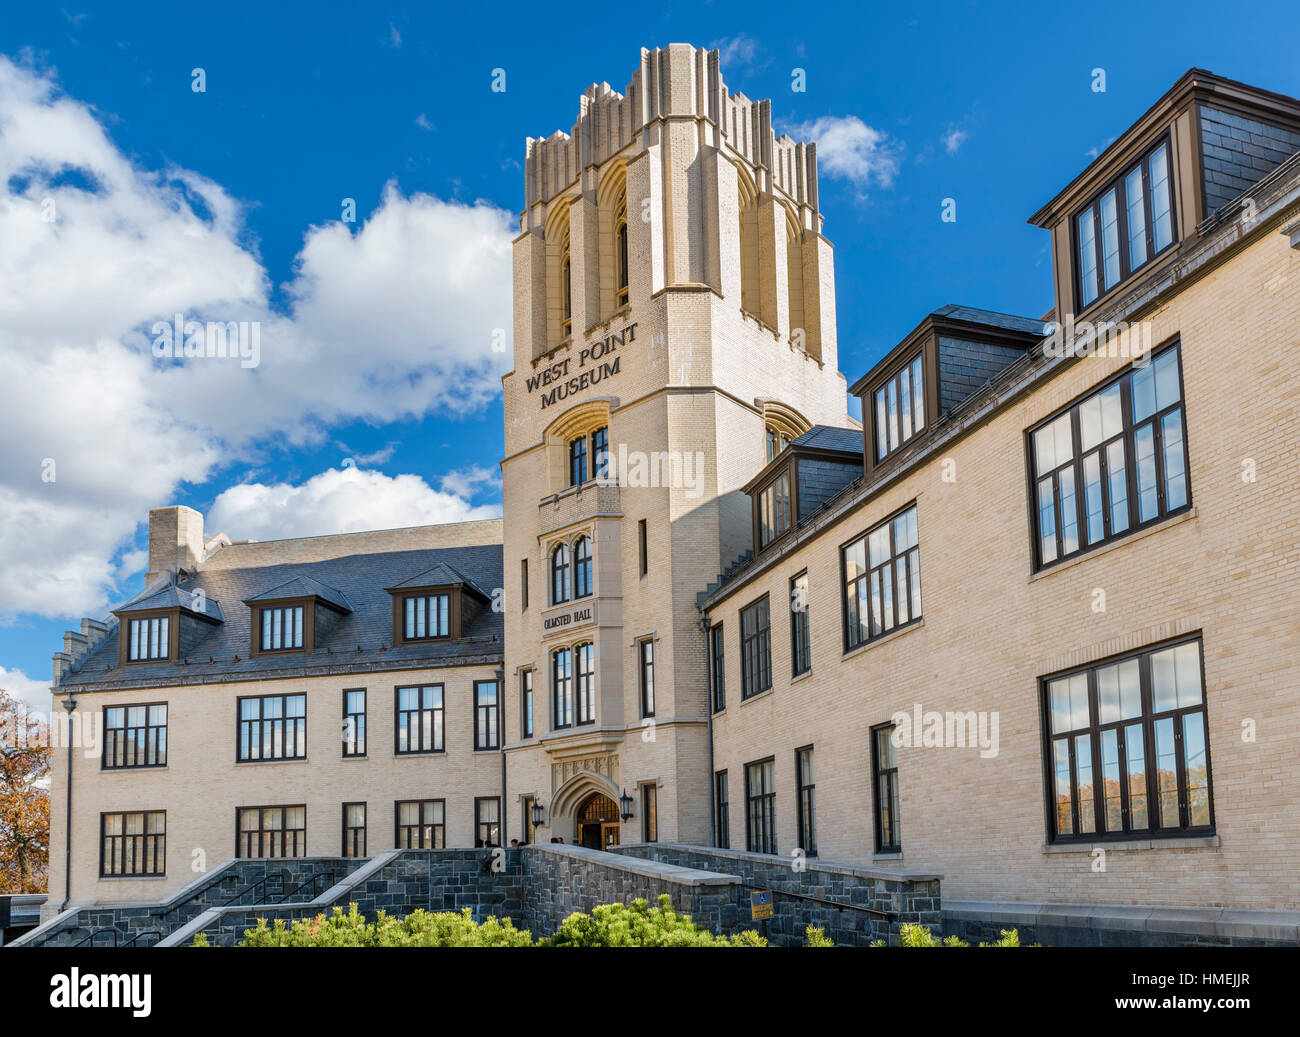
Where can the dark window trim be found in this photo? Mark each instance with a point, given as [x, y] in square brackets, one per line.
[789, 470]
[643, 546]
[722, 810]
[523, 584]
[262, 719]
[143, 837]
[438, 835]
[647, 687]
[554, 571]
[763, 641]
[149, 728]
[800, 632]
[556, 697]
[583, 582]
[282, 830]
[584, 712]
[364, 733]
[527, 702]
[493, 711]
[768, 811]
[479, 840]
[929, 392]
[349, 839]
[649, 817]
[173, 616]
[397, 722]
[865, 536]
[718, 660]
[308, 606]
[805, 813]
[889, 775]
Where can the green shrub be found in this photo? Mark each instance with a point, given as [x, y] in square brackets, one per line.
[911, 935]
[418, 929]
[639, 925]
[815, 936]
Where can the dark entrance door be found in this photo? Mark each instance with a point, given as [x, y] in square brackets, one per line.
[598, 822]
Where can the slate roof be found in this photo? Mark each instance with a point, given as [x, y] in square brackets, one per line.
[304, 587]
[442, 575]
[360, 579]
[973, 315]
[828, 437]
[172, 596]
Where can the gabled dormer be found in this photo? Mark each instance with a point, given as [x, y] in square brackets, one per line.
[1189, 161]
[435, 605]
[945, 360]
[161, 626]
[294, 617]
[795, 485]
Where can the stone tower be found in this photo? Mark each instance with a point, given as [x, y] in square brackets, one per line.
[674, 309]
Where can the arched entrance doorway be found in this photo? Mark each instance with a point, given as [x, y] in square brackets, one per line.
[597, 822]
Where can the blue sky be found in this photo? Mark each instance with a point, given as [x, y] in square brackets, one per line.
[306, 105]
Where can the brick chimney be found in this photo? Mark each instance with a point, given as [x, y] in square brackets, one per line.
[175, 541]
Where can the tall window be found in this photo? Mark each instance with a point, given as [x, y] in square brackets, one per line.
[1126, 226]
[650, 813]
[582, 585]
[774, 442]
[600, 453]
[578, 461]
[642, 547]
[560, 574]
[586, 683]
[620, 239]
[526, 703]
[899, 409]
[523, 584]
[527, 827]
[721, 812]
[884, 782]
[148, 639]
[354, 722]
[566, 291]
[135, 736]
[421, 824]
[420, 719]
[882, 573]
[718, 652]
[760, 807]
[755, 649]
[774, 509]
[133, 843]
[427, 616]
[273, 727]
[1128, 745]
[806, 801]
[487, 715]
[281, 628]
[271, 832]
[354, 829]
[645, 650]
[1113, 462]
[562, 687]
[800, 643]
[487, 821]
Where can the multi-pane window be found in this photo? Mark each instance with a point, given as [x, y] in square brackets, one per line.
[133, 843]
[718, 653]
[806, 800]
[620, 240]
[487, 821]
[774, 509]
[645, 651]
[562, 687]
[1128, 749]
[884, 781]
[527, 827]
[582, 586]
[1113, 462]
[882, 574]
[273, 727]
[354, 829]
[760, 807]
[271, 832]
[281, 628]
[135, 736]
[487, 715]
[1129, 224]
[420, 719]
[578, 461]
[148, 638]
[526, 703]
[421, 824]
[774, 442]
[354, 722]
[585, 657]
[650, 813]
[560, 574]
[899, 412]
[755, 649]
[600, 453]
[427, 616]
[721, 811]
[800, 642]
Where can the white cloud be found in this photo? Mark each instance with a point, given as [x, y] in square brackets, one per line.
[35, 693]
[391, 320]
[954, 139]
[736, 51]
[423, 122]
[346, 500]
[850, 149]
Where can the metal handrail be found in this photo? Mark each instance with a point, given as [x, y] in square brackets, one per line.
[310, 882]
[259, 884]
[158, 933]
[89, 938]
[887, 915]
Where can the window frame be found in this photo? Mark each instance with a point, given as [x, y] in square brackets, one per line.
[283, 831]
[151, 737]
[489, 713]
[645, 668]
[578, 469]
[294, 605]
[584, 683]
[718, 661]
[146, 849]
[906, 365]
[479, 823]
[1147, 718]
[437, 830]
[350, 839]
[350, 724]
[643, 546]
[914, 608]
[1077, 465]
[527, 702]
[762, 639]
[561, 572]
[262, 719]
[556, 697]
[800, 628]
[428, 597]
[649, 812]
[168, 624]
[805, 801]
[721, 811]
[767, 808]
[583, 569]
[437, 721]
[886, 776]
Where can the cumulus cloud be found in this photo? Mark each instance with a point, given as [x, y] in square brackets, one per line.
[737, 51]
[35, 693]
[390, 320]
[346, 500]
[953, 139]
[850, 149]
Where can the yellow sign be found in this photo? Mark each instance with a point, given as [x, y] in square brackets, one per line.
[760, 904]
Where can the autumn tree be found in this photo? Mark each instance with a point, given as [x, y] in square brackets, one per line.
[24, 798]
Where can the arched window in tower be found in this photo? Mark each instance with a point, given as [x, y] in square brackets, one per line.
[620, 248]
[750, 300]
[566, 290]
[560, 574]
[794, 281]
[582, 568]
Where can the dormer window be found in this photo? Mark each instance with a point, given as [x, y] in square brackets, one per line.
[148, 639]
[1126, 226]
[296, 616]
[899, 408]
[426, 617]
[774, 509]
[282, 628]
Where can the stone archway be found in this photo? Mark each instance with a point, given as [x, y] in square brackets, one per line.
[573, 797]
[597, 824]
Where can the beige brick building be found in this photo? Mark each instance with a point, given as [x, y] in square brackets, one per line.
[1032, 625]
